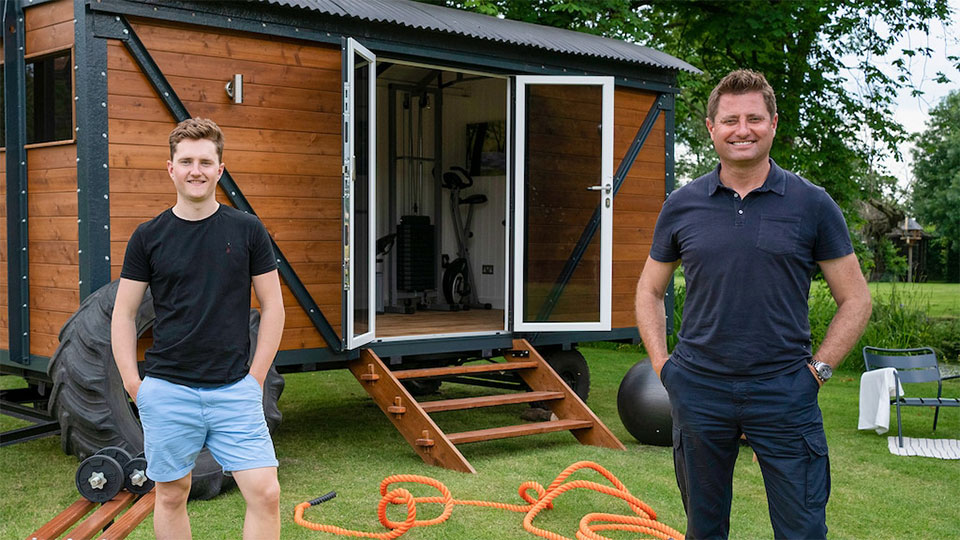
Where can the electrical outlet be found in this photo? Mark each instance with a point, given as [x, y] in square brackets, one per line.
[487, 269]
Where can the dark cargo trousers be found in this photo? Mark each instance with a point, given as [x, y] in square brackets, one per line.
[782, 421]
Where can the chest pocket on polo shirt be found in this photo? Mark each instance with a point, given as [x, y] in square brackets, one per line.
[778, 235]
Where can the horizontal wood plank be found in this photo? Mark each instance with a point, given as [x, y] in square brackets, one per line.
[469, 369]
[520, 430]
[487, 401]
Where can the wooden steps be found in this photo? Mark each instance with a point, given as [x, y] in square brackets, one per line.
[412, 418]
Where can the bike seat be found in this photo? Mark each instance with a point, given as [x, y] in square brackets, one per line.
[476, 198]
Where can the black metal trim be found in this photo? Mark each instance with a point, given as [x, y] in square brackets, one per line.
[29, 433]
[93, 153]
[669, 119]
[594, 224]
[176, 107]
[14, 102]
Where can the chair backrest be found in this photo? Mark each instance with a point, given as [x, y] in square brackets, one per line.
[912, 365]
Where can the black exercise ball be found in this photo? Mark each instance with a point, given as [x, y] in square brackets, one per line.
[644, 406]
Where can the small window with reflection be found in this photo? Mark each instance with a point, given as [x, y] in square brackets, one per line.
[49, 99]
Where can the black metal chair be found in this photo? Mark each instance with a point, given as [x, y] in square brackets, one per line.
[913, 366]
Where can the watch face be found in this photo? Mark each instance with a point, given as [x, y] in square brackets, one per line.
[825, 371]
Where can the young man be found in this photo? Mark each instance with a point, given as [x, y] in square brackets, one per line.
[750, 235]
[199, 258]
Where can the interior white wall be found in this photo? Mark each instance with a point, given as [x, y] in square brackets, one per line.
[481, 101]
[465, 103]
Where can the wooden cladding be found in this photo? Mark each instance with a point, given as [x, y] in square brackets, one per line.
[49, 27]
[637, 204]
[52, 247]
[563, 158]
[282, 146]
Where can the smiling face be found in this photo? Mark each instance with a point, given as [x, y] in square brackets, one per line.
[195, 170]
[742, 129]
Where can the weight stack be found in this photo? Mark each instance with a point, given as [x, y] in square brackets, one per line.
[415, 252]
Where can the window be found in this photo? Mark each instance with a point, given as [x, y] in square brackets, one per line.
[49, 99]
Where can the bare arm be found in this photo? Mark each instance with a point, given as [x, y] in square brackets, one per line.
[123, 332]
[651, 315]
[272, 316]
[850, 291]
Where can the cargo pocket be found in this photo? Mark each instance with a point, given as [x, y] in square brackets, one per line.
[778, 235]
[818, 469]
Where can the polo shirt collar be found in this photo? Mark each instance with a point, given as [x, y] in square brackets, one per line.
[775, 182]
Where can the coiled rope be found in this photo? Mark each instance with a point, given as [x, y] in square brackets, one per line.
[644, 522]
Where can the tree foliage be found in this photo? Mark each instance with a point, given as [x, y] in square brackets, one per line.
[936, 169]
[821, 57]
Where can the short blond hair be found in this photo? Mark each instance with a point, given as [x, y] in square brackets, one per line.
[742, 81]
[197, 129]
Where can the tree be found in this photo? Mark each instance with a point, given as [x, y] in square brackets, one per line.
[812, 52]
[936, 169]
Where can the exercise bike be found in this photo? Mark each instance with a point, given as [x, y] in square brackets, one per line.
[459, 286]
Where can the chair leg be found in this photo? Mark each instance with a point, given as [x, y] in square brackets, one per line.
[936, 413]
[899, 426]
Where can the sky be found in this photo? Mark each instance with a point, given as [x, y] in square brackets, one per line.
[913, 112]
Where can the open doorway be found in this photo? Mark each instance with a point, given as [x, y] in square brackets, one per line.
[442, 201]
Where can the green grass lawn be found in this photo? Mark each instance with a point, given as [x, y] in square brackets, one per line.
[334, 438]
[940, 299]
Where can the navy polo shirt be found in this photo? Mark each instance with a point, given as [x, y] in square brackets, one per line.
[748, 264]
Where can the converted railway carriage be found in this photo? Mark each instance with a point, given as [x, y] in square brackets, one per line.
[442, 187]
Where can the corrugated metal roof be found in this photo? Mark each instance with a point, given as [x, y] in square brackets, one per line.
[465, 23]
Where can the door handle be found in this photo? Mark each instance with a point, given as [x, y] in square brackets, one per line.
[606, 188]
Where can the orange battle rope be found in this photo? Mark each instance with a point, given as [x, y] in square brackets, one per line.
[645, 522]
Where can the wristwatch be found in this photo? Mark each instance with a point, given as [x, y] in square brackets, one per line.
[823, 370]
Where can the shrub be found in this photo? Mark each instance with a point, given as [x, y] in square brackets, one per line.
[898, 321]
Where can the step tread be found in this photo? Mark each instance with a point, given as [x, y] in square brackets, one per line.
[462, 370]
[519, 430]
[487, 401]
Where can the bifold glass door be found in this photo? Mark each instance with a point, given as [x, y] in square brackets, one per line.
[359, 181]
[563, 172]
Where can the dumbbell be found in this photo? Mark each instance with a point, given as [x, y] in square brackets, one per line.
[101, 476]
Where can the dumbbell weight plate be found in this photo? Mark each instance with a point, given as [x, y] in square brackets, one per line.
[135, 477]
[120, 455]
[99, 478]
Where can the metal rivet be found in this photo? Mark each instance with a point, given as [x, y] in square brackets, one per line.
[106, 227]
[125, 31]
[117, 18]
[103, 103]
[79, 251]
[104, 165]
[103, 73]
[104, 135]
[81, 282]
[77, 129]
[106, 258]
[106, 196]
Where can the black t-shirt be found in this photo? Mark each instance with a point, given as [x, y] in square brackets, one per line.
[200, 276]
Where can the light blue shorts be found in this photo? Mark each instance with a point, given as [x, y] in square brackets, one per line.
[178, 421]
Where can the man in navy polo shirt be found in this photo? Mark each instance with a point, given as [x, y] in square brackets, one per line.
[750, 236]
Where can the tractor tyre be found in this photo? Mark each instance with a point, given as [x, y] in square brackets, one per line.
[94, 410]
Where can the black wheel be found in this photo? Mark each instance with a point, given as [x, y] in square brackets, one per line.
[422, 387]
[456, 288]
[91, 405]
[572, 368]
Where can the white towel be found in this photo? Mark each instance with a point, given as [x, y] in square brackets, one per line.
[876, 389]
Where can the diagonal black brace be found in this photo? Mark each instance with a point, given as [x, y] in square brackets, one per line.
[594, 224]
[176, 107]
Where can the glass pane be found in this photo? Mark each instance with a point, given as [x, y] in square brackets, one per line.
[361, 195]
[563, 159]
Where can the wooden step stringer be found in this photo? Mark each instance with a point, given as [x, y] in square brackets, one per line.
[413, 421]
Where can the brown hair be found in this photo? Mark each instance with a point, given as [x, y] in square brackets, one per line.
[742, 81]
[197, 129]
